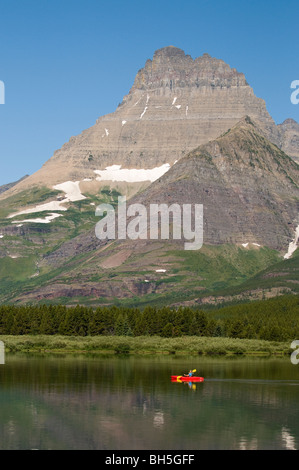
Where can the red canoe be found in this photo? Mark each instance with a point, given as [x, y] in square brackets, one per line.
[183, 378]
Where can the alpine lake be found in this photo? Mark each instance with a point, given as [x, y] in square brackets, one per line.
[98, 402]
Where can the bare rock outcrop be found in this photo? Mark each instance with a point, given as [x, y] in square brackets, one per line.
[289, 138]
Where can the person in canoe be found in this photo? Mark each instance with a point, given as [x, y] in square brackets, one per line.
[190, 374]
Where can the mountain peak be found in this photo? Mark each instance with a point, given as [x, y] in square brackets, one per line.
[245, 123]
[288, 122]
[172, 68]
[169, 51]
[175, 104]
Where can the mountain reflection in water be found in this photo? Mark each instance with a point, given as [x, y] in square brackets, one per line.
[96, 402]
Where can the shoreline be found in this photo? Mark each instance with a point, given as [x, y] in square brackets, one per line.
[145, 345]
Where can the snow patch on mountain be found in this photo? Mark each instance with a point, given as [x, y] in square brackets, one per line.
[71, 190]
[293, 245]
[39, 220]
[72, 194]
[49, 206]
[116, 173]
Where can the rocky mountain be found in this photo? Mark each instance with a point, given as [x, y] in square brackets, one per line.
[190, 131]
[249, 188]
[249, 191]
[175, 104]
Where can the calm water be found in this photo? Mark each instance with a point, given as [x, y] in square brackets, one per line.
[130, 403]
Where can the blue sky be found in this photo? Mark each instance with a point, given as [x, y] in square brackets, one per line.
[65, 63]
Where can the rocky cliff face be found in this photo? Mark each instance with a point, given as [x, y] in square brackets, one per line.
[175, 104]
[172, 69]
[289, 138]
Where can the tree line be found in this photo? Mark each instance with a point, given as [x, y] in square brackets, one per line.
[273, 320]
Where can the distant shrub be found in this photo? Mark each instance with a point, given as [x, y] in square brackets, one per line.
[58, 345]
[217, 350]
[122, 348]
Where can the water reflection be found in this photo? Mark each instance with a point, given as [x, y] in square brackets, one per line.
[245, 444]
[111, 403]
[191, 385]
[158, 419]
[288, 439]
